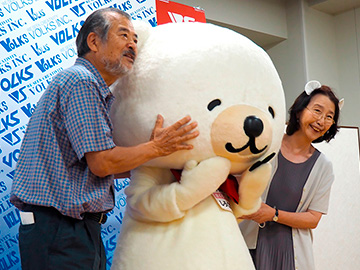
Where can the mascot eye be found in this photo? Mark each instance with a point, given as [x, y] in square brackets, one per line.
[213, 104]
[271, 110]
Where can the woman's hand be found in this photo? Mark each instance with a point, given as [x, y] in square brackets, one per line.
[265, 213]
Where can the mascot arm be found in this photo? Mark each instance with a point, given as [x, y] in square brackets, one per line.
[251, 186]
[198, 181]
[151, 195]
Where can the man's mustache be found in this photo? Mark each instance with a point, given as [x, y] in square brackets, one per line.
[131, 53]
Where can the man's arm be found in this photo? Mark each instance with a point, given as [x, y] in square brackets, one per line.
[163, 142]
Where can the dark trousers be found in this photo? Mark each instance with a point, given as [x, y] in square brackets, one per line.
[56, 241]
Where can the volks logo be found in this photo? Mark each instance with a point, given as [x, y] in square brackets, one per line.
[40, 49]
[178, 18]
[125, 6]
[18, 95]
[12, 44]
[16, 79]
[110, 245]
[66, 35]
[15, 5]
[120, 185]
[47, 26]
[78, 10]
[12, 218]
[58, 4]
[9, 120]
[12, 138]
[11, 159]
[45, 65]
[35, 15]
[28, 109]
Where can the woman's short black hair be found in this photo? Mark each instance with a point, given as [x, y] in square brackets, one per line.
[301, 103]
[99, 23]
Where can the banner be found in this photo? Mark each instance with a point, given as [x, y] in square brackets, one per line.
[37, 40]
[171, 12]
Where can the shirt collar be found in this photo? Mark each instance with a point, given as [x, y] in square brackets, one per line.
[104, 89]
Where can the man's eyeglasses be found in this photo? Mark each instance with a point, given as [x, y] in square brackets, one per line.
[318, 114]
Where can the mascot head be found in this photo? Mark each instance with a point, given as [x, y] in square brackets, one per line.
[220, 78]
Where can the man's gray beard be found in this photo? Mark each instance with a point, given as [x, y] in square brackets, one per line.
[115, 68]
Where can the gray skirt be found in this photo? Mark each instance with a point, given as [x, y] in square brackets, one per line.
[274, 249]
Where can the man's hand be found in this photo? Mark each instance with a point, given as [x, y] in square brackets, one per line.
[171, 139]
[163, 141]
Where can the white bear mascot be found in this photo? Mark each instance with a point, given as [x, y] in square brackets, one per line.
[229, 86]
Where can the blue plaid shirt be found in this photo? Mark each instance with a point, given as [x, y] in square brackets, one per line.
[71, 119]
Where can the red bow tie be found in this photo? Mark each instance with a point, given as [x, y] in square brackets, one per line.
[229, 187]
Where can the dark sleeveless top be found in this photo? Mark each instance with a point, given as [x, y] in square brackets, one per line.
[274, 249]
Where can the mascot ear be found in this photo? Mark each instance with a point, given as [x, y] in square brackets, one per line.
[142, 29]
[341, 103]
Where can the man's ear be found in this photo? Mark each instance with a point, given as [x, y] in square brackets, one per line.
[93, 41]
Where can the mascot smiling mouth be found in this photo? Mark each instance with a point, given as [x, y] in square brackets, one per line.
[251, 144]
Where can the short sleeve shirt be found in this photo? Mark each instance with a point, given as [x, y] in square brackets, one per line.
[71, 119]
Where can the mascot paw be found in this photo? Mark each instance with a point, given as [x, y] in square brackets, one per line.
[189, 165]
[210, 172]
[198, 181]
[251, 186]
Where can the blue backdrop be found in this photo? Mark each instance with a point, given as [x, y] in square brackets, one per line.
[37, 40]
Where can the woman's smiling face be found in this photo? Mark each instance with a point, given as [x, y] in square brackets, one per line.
[317, 117]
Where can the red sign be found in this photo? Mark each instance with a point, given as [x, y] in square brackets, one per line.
[171, 12]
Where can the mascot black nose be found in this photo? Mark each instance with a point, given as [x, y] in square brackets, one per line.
[253, 126]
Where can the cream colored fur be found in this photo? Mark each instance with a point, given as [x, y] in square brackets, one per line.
[180, 69]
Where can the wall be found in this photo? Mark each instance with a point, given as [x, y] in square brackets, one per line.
[289, 56]
[347, 33]
[322, 47]
[265, 16]
[336, 239]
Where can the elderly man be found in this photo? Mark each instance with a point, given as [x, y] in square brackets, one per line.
[63, 182]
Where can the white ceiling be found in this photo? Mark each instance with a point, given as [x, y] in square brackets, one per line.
[334, 7]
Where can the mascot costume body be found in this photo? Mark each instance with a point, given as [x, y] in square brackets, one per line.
[229, 86]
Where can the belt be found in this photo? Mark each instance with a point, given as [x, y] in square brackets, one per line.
[98, 217]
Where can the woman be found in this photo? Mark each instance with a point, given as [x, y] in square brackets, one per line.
[279, 233]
